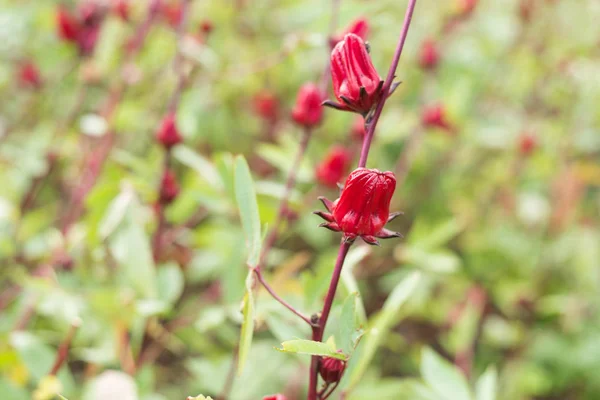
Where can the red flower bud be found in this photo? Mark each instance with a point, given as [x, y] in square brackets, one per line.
[169, 188]
[275, 397]
[527, 143]
[67, 25]
[172, 12]
[308, 111]
[363, 207]
[466, 7]
[435, 117]
[358, 128]
[331, 369]
[29, 75]
[168, 134]
[356, 83]
[429, 56]
[206, 27]
[121, 8]
[333, 168]
[360, 27]
[266, 105]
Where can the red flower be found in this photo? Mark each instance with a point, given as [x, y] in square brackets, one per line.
[435, 117]
[527, 143]
[275, 397]
[266, 105]
[206, 26]
[360, 27]
[466, 7]
[429, 55]
[308, 111]
[358, 128]
[363, 207]
[333, 168]
[67, 25]
[356, 83]
[169, 188]
[172, 12]
[121, 8]
[331, 369]
[29, 75]
[168, 134]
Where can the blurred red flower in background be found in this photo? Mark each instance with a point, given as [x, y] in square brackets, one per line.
[334, 167]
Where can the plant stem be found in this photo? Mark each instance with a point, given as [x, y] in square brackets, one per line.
[319, 330]
[63, 349]
[386, 85]
[269, 289]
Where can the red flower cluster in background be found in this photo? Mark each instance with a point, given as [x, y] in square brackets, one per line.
[168, 134]
[28, 75]
[169, 188]
[266, 105]
[429, 55]
[434, 116]
[360, 27]
[82, 27]
[363, 207]
[334, 167]
[308, 111]
[528, 142]
[275, 397]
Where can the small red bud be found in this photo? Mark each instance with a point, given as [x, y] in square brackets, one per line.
[172, 12]
[527, 143]
[29, 75]
[466, 7]
[275, 397]
[356, 83]
[168, 134]
[358, 128]
[360, 27]
[266, 105]
[169, 188]
[331, 369]
[121, 9]
[434, 116]
[334, 167]
[429, 55]
[308, 111]
[526, 10]
[206, 27]
[67, 25]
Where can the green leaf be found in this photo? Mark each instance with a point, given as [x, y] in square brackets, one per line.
[247, 324]
[348, 325]
[431, 237]
[349, 281]
[487, 385]
[115, 214]
[444, 378]
[246, 200]
[199, 397]
[379, 328]
[300, 346]
[170, 283]
[198, 163]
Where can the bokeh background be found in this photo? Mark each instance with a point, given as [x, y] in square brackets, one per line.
[494, 136]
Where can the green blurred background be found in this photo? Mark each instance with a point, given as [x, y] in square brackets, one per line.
[504, 235]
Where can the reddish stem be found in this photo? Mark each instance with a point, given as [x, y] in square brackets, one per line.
[386, 86]
[319, 330]
[261, 279]
[63, 349]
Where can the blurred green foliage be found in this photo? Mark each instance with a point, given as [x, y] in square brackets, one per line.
[498, 275]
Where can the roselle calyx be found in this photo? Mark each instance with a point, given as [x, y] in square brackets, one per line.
[169, 188]
[331, 369]
[360, 27]
[308, 111]
[168, 134]
[363, 208]
[429, 55]
[356, 84]
[334, 166]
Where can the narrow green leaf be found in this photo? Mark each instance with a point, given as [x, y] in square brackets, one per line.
[487, 385]
[247, 324]
[444, 378]
[348, 324]
[115, 213]
[311, 347]
[198, 163]
[379, 328]
[246, 200]
[170, 283]
[349, 281]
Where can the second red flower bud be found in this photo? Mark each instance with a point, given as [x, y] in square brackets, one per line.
[308, 111]
[168, 134]
[331, 369]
